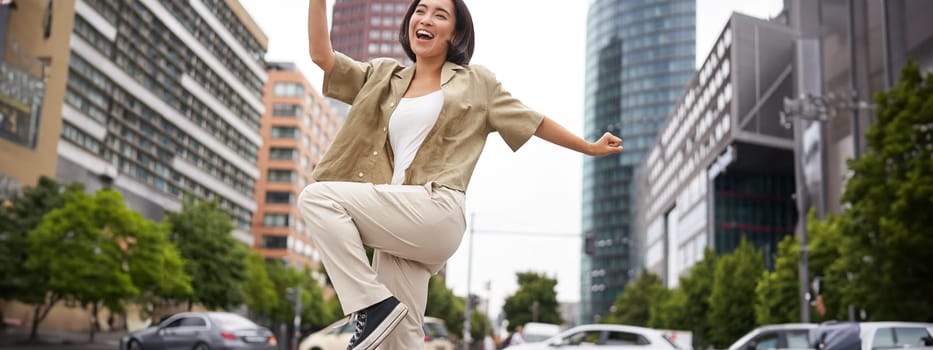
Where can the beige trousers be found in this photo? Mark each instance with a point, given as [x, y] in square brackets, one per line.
[413, 229]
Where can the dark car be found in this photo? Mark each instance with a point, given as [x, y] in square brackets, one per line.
[201, 331]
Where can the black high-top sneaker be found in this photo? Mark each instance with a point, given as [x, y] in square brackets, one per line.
[373, 324]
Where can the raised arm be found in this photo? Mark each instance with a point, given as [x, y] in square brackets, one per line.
[554, 133]
[322, 53]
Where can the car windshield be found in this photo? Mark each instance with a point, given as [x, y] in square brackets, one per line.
[435, 330]
[232, 321]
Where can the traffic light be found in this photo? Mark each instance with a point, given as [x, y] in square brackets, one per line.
[291, 294]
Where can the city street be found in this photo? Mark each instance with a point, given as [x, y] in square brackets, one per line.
[15, 338]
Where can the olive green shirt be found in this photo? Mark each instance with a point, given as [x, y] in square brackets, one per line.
[474, 106]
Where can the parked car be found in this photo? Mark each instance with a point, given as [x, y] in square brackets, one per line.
[605, 336]
[201, 331]
[337, 335]
[776, 336]
[436, 336]
[871, 335]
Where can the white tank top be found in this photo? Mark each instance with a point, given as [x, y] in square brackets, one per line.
[409, 126]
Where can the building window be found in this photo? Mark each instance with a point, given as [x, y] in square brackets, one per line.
[288, 89]
[277, 220]
[274, 242]
[284, 132]
[275, 197]
[280, 153]
[286, 110]
[281, 175]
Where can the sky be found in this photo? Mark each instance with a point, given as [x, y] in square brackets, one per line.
[525, 205]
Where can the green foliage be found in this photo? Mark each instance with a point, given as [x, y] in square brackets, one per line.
[315, 311]
[214, 259]
[668, 310]
[778, 292]
[823, 239]
[78, 248]
[259, 293]
[633, 306]
[532, 288]
[732, 301]
[888, 230]
[24, 213]
[443, 304]
[697, 287]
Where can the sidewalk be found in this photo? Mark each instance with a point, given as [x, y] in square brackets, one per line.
[17, 338]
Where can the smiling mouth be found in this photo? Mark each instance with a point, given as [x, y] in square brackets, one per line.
[423, 34]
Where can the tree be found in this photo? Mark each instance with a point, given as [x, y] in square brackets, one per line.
[697, 287]
[887, 231]
[534, 301]
[23, 214]
[443, 304]
[213, 258]
[78, 249]
[633, 306]
[260, 295]
[778, 292]
[732, 300]
[668, 311]
[824, 241]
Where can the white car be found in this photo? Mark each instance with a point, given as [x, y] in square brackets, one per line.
[776, 336]
[872, 335]
[603, 337]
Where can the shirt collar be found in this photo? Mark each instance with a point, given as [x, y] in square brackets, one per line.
[447, 72]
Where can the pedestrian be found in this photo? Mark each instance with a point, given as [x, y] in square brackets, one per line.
[396, 174]
[517, 336]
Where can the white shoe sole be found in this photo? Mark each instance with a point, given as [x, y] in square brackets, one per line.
[382, 332]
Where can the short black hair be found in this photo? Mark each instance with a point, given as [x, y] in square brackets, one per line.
[460, 50]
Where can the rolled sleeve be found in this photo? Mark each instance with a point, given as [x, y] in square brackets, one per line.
[508, 116]
[346, 79]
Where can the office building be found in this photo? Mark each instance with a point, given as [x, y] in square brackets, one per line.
[722, 166]
[877, 38]
[367, 29]
[297, 127]
[163, 102]
[33, 66]
[639, 57]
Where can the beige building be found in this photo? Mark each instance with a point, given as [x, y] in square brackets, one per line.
[34, 49]
[297, 128]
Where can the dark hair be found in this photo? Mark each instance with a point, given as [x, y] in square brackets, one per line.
[460, 50]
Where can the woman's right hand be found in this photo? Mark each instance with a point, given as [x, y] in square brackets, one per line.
[319, 47]
[606, 145]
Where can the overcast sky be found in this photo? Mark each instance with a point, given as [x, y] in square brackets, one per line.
[536, 189]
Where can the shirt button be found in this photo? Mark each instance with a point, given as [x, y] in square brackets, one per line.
[360, 174]
[383, 129]
[391, 104]
[375, 154]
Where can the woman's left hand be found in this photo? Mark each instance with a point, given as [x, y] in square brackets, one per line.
[606, 145]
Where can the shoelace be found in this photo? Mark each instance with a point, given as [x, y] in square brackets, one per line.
[360, 319]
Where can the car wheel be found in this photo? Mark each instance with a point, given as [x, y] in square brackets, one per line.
[134, 345]
[202, 346]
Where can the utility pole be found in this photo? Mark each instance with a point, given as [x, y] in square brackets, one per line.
[467, 314]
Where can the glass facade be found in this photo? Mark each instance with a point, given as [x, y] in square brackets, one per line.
[640, 55]
[754, 205]
[168, 94]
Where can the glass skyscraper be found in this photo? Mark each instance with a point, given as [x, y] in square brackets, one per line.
[639, 57]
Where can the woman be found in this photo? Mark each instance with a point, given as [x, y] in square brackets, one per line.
[395, 176]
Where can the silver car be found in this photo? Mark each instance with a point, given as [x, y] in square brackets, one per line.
[201, 331]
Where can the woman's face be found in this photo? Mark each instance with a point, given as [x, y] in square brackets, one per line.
[431, 28]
